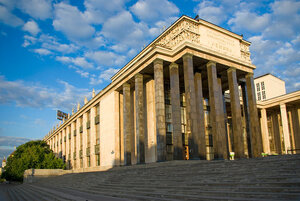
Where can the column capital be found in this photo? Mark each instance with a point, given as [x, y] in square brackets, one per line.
[210, 63]
[126, 85]
[249, 75]
[158, 61]
[138, 75]
[231, 69]
[187, 55]
[198, 74]
[173, 65]
[282, 105]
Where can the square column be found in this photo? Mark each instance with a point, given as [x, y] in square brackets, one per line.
[291, 129]
[200, 113]
[67, 150]
[216, 112]
[92, 137]
[191, 111]
[285, 128]
[247, 141]
[223, 141]
[122, 138]
[276, 133]
[295, 113]
[236, 114]
[176, 115]
[78, 142]
[160, 110]
[139, 109]
[84, 140]
[73, 144]
[256, 141]
[265, 131]
[127, 124]
[151, 145]
[117, 129]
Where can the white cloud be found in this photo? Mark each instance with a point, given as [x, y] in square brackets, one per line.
[29, 40]
[80, 72]
[103, 76]
[8, 18]
[97, 11]
[108, 73]
[42, 51]
[69, 20]
[34, 95]
[78, 61]
[51, 43]
[244, 20]
[154, 10]
[209, 12]
[105, 58]
[32, 27]
[39, 9]
[10, 141]
[160, 25]
[125, 31]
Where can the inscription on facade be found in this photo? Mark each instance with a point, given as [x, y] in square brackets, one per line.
[199, 34]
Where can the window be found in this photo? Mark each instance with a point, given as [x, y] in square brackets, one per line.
[169, 128]
[98, 159]
[259, 96]
[262, 85]
[89, 161]
[263, 95]
[257, 87]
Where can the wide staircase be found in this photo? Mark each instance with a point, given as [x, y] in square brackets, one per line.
[269, 178]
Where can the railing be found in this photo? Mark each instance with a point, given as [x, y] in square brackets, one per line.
[97, 148]
[88, 125]
[97, 119]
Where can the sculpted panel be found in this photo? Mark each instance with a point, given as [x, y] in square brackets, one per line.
[188, 30]
[184, 30]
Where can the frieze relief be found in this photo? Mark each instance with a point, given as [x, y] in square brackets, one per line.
[184, 30]
[245, 53]
[189, 31]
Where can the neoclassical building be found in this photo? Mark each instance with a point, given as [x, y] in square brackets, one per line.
[168, 103]
[279, 115]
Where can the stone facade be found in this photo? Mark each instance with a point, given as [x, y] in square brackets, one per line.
[168, 103]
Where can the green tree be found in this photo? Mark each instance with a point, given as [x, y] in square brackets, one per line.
[33, 154]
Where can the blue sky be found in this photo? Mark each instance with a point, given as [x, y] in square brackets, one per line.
[53, 53]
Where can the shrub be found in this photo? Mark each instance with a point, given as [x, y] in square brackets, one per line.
[33, 154]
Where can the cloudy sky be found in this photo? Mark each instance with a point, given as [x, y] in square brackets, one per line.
[54, 52]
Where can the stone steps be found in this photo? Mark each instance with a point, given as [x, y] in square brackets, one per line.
[270, 178]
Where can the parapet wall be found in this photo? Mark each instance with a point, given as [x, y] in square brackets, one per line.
[33, 175]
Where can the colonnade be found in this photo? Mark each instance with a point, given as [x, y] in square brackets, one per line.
[280, 125]
[135, 136]
[78, 143]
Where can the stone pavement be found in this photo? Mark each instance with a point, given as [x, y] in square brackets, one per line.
[270, 178]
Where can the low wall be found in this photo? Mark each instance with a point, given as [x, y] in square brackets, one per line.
[33, 175]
